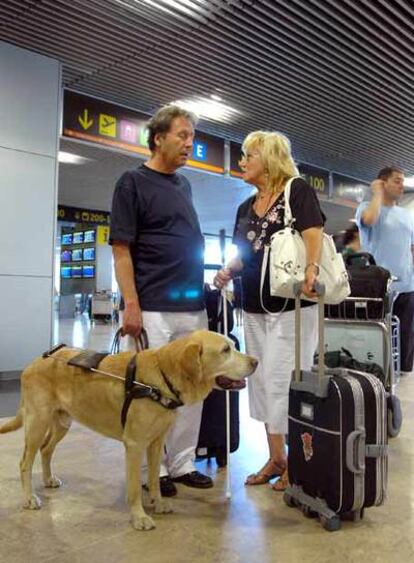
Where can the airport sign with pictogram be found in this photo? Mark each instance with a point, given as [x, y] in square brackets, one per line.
[104, 123]
[97, 121]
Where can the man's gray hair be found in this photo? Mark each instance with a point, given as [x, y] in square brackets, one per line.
[160, 123]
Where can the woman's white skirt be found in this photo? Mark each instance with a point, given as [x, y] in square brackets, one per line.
[271, 339]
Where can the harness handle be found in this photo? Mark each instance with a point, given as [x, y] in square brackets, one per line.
[141, 342]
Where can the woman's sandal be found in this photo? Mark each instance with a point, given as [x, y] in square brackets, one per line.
[270, 470]
[282, 483]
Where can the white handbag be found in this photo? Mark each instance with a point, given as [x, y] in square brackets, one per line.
[287, 262]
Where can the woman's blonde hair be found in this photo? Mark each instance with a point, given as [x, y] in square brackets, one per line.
[275, 153]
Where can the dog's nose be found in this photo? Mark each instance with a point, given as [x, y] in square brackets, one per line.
[254, 362]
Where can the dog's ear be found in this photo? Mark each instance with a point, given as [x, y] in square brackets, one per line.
[190, 361]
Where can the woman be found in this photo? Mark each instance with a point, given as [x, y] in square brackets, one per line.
[267, 164]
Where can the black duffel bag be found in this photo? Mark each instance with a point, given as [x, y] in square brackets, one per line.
[344, 359]
[366, 280]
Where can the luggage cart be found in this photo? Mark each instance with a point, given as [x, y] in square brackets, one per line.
[370, 340]
[102, 306]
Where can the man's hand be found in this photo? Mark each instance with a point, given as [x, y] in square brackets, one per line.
[377, 188]
[222, 278]
[132, 320]
[370, 215]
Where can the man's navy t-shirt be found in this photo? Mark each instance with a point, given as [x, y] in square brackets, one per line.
[154, 213]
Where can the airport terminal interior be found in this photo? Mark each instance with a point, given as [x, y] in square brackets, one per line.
[80, 80]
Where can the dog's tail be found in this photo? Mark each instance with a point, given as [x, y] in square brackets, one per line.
[13, 424]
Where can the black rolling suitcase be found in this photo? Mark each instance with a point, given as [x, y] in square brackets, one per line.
[337, 439]
[212, 437]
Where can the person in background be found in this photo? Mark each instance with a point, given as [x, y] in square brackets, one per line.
[158, 251]
[387, 232]
[350, 242]
[269, 325]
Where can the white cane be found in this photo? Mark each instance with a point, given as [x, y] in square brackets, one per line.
[226, 333]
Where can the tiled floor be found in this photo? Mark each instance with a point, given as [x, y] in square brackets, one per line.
[87, 519]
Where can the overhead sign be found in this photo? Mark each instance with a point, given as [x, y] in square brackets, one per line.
[316, 177]
[235, 156]
[93, 120]
[348, 190]
[102, 235]
[78, 215]
[208, 153]
[97, 121]
[84, 120]
[200, 151]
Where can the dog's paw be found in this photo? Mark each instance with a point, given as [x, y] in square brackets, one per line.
[53, 483]
[33, 503]
[143, 522]
[162, 506]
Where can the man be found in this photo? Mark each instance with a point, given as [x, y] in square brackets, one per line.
[158, 253]
[387, 232]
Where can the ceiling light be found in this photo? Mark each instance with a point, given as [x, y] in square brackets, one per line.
[208, 108]
[70, 158]
[185, 6]
[353, 220]
[409, 182]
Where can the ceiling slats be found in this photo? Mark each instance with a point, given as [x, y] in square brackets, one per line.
[335, 76]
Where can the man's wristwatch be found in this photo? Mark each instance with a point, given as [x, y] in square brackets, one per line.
[315, 265]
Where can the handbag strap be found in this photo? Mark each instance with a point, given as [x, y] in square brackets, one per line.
[262, 279]
[263, 273]
[289, 219]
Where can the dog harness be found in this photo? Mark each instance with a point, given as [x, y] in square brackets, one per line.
[89, 360]
[134, 390]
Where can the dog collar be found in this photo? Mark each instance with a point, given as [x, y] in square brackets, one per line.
[172, 389]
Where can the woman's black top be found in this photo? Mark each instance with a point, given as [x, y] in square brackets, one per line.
[252, 233]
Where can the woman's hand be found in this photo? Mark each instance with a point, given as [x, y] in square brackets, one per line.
[222, 278]
[312, 238]
[311, 276]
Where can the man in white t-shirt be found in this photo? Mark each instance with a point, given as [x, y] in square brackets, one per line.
[387, 232]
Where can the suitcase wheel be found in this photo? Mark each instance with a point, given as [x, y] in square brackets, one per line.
[289, 500]
[307, 511]
[394, 416]
[331, 524]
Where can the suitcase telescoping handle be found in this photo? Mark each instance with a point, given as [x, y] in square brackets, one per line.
[320, 292]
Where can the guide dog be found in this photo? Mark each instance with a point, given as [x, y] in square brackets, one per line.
[54, 393]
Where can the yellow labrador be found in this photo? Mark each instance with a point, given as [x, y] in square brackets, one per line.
[54, 393]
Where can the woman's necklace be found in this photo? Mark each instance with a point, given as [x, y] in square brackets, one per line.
[263, 203]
